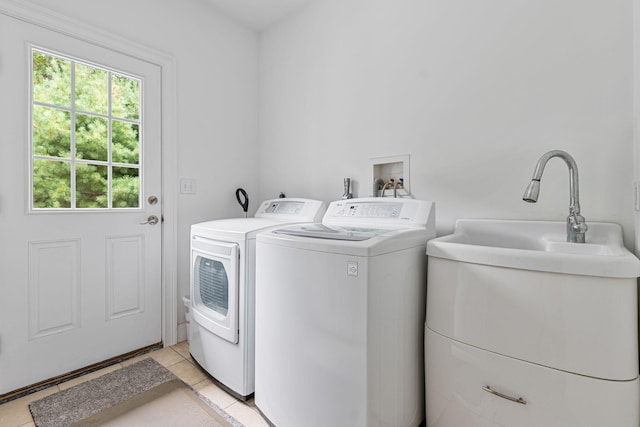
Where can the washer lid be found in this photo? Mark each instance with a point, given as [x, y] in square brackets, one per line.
[348, 241]
[320, 231]
[271, 213]
[234, 228]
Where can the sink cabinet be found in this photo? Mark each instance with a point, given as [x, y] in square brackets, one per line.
[579, 324]
[528, 327]
[458, 372]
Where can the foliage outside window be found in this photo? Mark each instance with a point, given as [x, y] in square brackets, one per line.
[85, 135]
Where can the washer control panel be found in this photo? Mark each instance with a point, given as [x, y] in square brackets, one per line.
[372, 210]
[287, 207]
[380, 212]
[290, 209]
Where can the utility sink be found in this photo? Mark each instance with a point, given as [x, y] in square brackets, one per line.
[518, 289]
[538, 246]
[517, 313]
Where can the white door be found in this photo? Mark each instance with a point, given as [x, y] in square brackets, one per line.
[80, 275]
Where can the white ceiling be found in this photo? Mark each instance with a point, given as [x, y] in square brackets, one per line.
[257, 14]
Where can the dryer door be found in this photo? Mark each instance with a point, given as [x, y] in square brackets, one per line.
[214, 286]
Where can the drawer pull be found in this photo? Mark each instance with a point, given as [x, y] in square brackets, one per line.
[504, 396]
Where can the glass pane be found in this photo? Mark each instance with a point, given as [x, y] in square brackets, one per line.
[95, 137]
[92, 183]
[214, 285]
[125, 188]
[51, 184]
[125, 100]
[126, 142]
[51, 132]
[51, 80]
[92, 136]
[92, 89]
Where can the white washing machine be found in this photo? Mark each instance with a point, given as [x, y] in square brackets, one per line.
[222, 330]
[339, 316]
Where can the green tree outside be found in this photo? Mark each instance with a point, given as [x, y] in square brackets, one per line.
[104, 103]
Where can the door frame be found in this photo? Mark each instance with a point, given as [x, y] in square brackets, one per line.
[636, 129]
[59, 23]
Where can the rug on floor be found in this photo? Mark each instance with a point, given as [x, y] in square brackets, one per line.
[133, 388]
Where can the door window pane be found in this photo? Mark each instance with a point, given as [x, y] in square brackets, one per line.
[51, 132]
[126, 97]
[92, 134]
[92, 186]
[126, 143]
[51, 80]
[92, 89]
[85, 135]
[52, 184]
[126, 186]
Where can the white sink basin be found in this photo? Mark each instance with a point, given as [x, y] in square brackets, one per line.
[518, 289]
[538, 246]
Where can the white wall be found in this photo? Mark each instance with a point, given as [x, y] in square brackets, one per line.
[216, 99]
[474, 91]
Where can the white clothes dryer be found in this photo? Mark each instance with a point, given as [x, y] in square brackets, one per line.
[340, 308]
[222, 330]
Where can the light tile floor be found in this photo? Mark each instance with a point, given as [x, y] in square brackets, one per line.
[176, 359]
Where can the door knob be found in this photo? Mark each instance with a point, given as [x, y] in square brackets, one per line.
[152, 220]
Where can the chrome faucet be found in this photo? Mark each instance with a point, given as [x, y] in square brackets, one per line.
[347, 189]
[576, 226]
